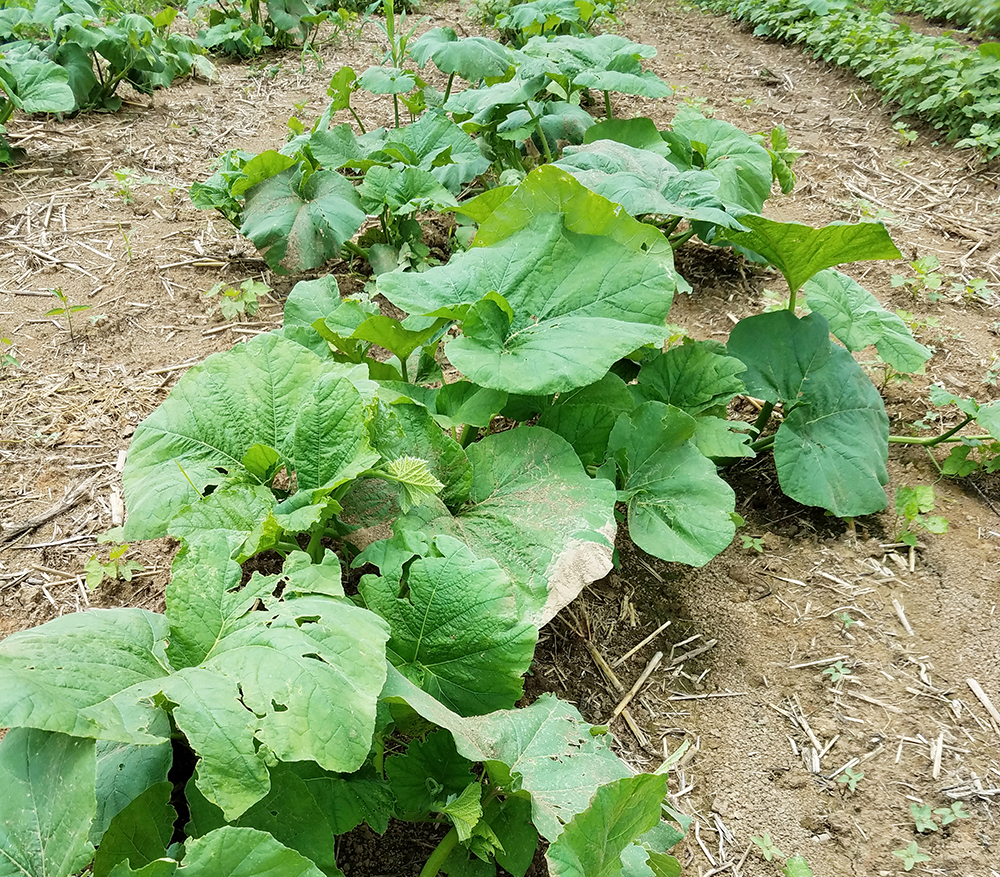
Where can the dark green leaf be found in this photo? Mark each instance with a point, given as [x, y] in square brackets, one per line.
[140, 833]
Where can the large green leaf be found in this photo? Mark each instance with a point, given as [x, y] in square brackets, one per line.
[857, 319]
[485, 104]
[534, 510]
[742, 166]
[42, 86]
[693, 377]
[428, 773]
[47, 803]
[140, 833]
[455, 404]
[455, 629]
[244, 852]
[298, 221]
[306, 809]
[234, 514]
[592, 843]
[800, 251]
[561, 307]
[403, 192]
[832, 446]
[57, 673]
[123, 773]
[311, 300]
[678, 507]
[585, 417]
[503, 211]
[472, 58]
[644, 182]
[546, 750]
[269, 391]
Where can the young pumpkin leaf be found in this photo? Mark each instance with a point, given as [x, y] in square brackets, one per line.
[123, 773]
[857, 320]
[47, 803]
[592, 843]
[455, 630]
[140, 833]
[311, 300]
[800, 251]
[243, 852]
[678, 507]
[428, 773]
[596, 302]
[481, 105]
[693, 377]
[403, 192]
[832, 446]
[455, 404]
[387, 80]
[300, 220]
[472, 58]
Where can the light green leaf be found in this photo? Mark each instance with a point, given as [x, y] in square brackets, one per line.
[595, 302]
[47, 803]
[832, 446]
[404, 192]
[592, 843]
[140, 833]
[123, 773]
[244, 852]
[693, 377]
[428, 773]
[54, 674]
[413, 475]
[387, 80]
[42, 86]
[678, 507]
[800, 251]
[472, 58]
[455, 631]
[311, 300]
[534, 510]
[585, 417]
[233, 514]
[483, 104]
[857, 320]
[465, 811]
[300, 222]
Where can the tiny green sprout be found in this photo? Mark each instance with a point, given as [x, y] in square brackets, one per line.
[923, 821]
[7, 359]
[851, 777]
[767, 847]
[950, 814]
[911, 856]
[836, 672]
[753, 543]
[912, 503]
[65, 309]
[237, 301]
[845, 619]
[797, 866]
[907, 136]
[115, 569]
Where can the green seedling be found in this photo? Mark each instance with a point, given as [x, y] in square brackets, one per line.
[972, 290]
[951, 814]
[116, 568]
[65, 309]
[907, 136]
[796, 866]
[926, 278]
[850, 778]
[752, 543]
[837, 671]
[767, 848]
[239, 301]
[845, 619]
[7, 358]
[911, 856]
[912, 505]
[923, 819]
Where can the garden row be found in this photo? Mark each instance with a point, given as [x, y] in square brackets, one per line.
[265, 715]
[982, 16]
[954, 88]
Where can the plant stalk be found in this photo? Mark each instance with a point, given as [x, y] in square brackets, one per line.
[681, 239]
[447, 91]
[541, 133]
[469, 433]
[441, 852]
[607, 105]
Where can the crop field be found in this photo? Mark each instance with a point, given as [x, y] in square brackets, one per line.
[559, 438]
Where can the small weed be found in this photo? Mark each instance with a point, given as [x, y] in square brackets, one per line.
[972, 290]
[911, 856]
[850, 778]
[7, 359]
[752, 543]
[126, 180]
[65, 309]
[907, 136]
[836, 672]
[767, 847]
[926, 278]
[923, 819]
[915, 323]
[744, 103]
[912, 505]
[239, 301]
[845, 619]
[116, 569]
[951, 814]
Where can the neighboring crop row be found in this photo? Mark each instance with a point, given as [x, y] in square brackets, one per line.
[983, 16]
[954, 88]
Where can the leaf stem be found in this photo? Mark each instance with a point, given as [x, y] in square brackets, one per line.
[763, 417]
[764, 443]
[441, 852]
[352, 247]
[447, 91]
[931, 441]
[607, 105]
[681, 239]
[469, 434]
[541, 133]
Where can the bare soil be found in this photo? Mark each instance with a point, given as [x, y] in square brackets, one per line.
[741, 675]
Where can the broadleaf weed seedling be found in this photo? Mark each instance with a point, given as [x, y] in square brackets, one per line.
[837, 671]
[116, 569]
[923, 819]
[239, 301]
[851, 777]
[951, 814]
[65, 309]
[7, 358]
[912, 505]
[911, 856]
[767, 847]
[926, 278]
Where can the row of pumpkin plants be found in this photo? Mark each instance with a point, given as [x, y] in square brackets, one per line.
[264, 716]
[951, 86]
